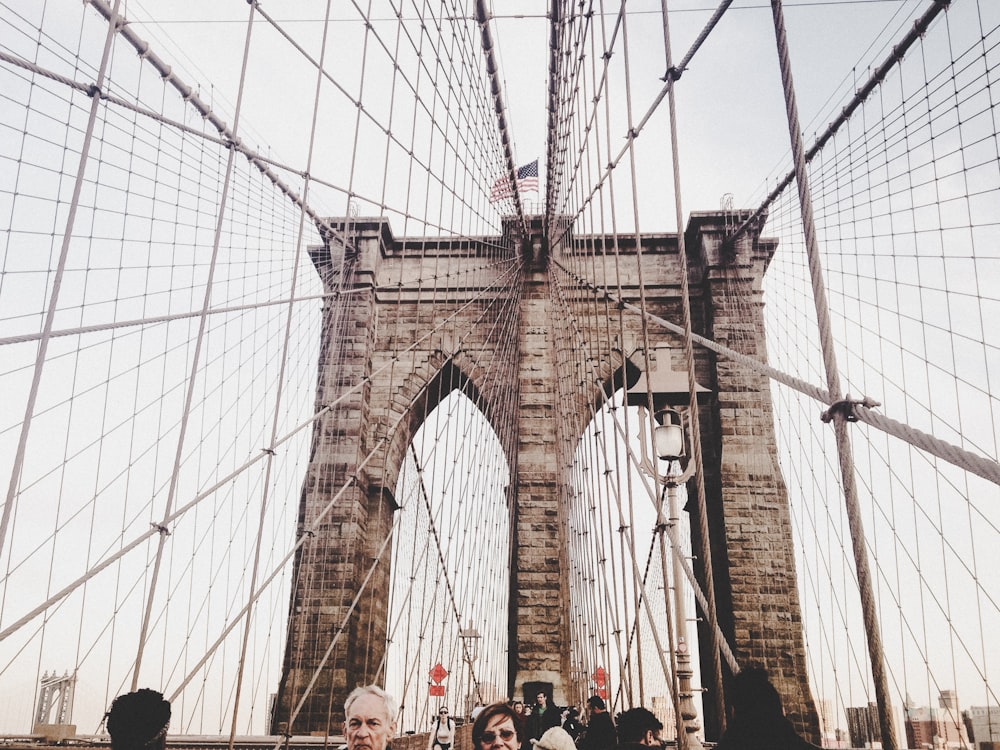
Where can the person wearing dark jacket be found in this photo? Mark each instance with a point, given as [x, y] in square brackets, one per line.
[545, 716]
[757, 719]
[571, 722]
[600, 733]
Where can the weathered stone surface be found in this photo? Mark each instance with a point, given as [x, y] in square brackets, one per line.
[388, 381]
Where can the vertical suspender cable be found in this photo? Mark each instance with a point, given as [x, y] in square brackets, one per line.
[43, 344]
[643, 323]
[704, 548]
[844, 452]
[280, 383]
[482, 18]
[195, 364]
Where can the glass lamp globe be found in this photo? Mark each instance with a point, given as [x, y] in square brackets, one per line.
[668, 441]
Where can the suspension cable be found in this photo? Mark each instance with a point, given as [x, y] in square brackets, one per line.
[872, 629]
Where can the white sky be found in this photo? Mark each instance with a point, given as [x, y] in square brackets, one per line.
[733, 135]
[730, 109]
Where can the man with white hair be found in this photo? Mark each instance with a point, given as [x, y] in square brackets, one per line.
[369, 718]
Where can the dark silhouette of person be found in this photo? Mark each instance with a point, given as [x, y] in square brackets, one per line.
[138, 721]
[757, 719]
[600, 733]
[638, 728]
[571, 722]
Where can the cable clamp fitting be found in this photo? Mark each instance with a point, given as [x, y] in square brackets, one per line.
[845, 408]
[164, 531]
[673, 74]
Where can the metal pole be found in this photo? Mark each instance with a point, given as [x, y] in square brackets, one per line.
[468, 691]
[689, 713]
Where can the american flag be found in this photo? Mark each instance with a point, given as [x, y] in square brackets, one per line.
[527, 180]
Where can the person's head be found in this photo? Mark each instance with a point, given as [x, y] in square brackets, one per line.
[498, 727]
[518, 707]
[139, 721]
[752, 694]
[596, 704]
[542, 700]
[369, 718]
[555, 738]
[639, 725]
[443, 713]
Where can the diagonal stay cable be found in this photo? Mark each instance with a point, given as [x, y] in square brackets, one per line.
[180, 511]
[191, 96]
[986, 468]
[152, 320]
[672, 75]
[482, 18]
[437, 546]
[260, 161]
[646, 482]
[877, 77]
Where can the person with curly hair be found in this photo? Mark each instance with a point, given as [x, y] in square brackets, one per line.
[138, 721]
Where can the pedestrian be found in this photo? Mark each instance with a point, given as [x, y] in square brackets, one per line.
[544, 716]
[756, 717]
[138, 721]
[638, 728]
[555, 738]
[571, 722]
[369, 718]
[443, 733]
[600, 733]
[498, 727]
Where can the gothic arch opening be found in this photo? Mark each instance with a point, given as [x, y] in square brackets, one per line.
[621, 577]
[451, 562]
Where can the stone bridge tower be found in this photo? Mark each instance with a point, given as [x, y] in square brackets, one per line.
[387, 296]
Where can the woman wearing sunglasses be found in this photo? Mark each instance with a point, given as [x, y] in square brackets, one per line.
[498, 727]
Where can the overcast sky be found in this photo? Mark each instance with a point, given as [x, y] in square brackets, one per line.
[731, 114]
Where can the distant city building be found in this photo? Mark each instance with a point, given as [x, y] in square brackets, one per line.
[838, 742]
[940, 727]
[825, 710]
[830, 734]
[663, 709]
[863, 726]
[982, 723]
[831, 737]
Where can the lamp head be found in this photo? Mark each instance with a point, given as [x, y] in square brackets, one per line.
[662, 387]
[668, 442]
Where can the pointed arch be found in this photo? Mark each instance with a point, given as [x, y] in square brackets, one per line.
[425, 388]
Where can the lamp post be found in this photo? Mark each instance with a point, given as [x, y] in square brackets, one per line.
[470, 647]
[668, 442]
[673, 481]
